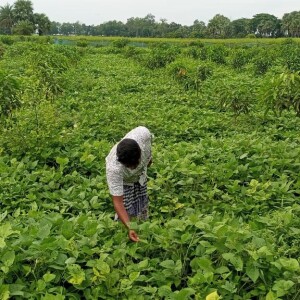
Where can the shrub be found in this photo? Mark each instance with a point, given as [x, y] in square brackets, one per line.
[8, 40]
[9, 94]
[282, 92]
[218, 54]
[121, 43]
[160, 57]
[236, 94]
[239, 59]
[290, 53]
[263, 61]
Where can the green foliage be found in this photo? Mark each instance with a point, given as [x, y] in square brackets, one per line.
[282, 92]
[240, 58]
[82, 43]
[218, 54]
[24, 27]
[5, 39]
[2, 49]
[263, 61]
[120, 43]
[159, 57]
[190, 75]
[224, 209]
[236, 94]
[290, 53]
[9, 94]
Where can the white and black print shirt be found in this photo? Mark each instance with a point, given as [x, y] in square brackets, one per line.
[117, 174]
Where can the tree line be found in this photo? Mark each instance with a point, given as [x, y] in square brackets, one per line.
[20, 18]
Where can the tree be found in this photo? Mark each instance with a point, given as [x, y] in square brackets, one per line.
[42, 23]
[134, 27]
[295, 25]
[23, 28]
[198, 29]
[148, 25]
[219, 26]
[112, 28]
[54, 28]
[173, 30]
[240, 27]
[265, 25]
[23, 11]
[291, 24]
[67, 28]
[23, 17]
[6, 18]
[161, 28]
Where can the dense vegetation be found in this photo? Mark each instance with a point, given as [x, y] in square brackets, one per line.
[224, 186]
[20, 18]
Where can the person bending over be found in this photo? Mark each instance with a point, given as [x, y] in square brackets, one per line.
[126, 173]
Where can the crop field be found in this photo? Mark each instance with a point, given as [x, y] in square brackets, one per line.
[224, 185]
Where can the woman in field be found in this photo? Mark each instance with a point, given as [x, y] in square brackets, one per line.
[126, 173]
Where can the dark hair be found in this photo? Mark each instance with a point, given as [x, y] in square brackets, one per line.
[128, 152]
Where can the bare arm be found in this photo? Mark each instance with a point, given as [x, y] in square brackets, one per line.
[123, 216]
[120, 210]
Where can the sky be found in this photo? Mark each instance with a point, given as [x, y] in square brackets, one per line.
[184, 12]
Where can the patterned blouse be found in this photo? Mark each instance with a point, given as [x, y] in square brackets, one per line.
[117, 174]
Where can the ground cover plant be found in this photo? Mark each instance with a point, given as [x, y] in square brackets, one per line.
[224, 186]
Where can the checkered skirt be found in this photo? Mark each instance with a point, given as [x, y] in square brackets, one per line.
[136, 200]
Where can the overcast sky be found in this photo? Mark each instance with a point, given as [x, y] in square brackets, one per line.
[184, 12]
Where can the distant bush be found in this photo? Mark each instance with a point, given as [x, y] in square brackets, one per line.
[8, 40]
[121, 43]
[251, 36]
[82, 43]
[160, 57]
[218, 54]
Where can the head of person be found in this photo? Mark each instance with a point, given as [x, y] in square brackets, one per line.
[129, 153]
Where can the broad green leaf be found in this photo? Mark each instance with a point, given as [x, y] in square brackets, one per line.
[202, 263]
[184, 294]
[62, 161]
[41, 285]
[213, 296]
[164, 291]
[49, 277]
[3, 216]
[53, 297]
[291, 264]
[244, 155]
[271, 296]
[125, 284]
[67, 229]
[229, 286]
[102, 266]
[282, 287]
[6, 230]
[8, 258]
[134, 276]
[77, 275]
[143, 264]
[70, 261]
[44, 231]
[4, 292]
[252, 272]
[168, 264]
[235, 260]
[2, 243]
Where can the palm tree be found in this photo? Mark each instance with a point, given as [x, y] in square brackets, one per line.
[23, 11]
[6, 18]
